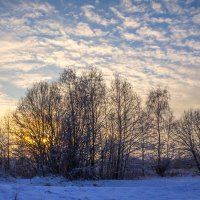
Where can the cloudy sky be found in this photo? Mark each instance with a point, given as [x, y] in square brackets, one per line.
[151, 43]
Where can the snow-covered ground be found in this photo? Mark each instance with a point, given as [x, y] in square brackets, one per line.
[54, 188]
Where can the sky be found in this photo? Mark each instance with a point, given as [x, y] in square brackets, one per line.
[151, 43]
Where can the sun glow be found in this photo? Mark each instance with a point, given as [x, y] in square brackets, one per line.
[44, 140]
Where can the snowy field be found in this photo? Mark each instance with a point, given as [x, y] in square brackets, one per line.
[56, 188]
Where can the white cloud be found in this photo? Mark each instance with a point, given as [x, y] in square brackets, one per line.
[117, 13]
[130, 7]
[130, 36]
[6, 103]
[89, 12]
[83, 29]
[149, 32]
[193, 44]
[34, 9]
[160, 20]
[196, 19]
[129, 22]
[26, 80]
[156, 6]
[174, 7]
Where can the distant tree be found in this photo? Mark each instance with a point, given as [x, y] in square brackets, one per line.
[160, 113]
[145, 125]
[71, 128]
[3, 149]
[6, 140]
[83, 119]
[124, 118]
[38, 120]
[188, 134]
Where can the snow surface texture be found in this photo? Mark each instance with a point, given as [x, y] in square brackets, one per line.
[56, 188]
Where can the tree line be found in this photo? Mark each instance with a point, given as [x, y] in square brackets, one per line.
[81, 127]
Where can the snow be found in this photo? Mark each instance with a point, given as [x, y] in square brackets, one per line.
[56, 188]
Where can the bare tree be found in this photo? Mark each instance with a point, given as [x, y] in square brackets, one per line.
[188, 134]
[158, 107]
[145, 125]
[124, 117]
[93, 92]
[6, 140]
[37, 118]
[3, 149]
[83, 123]
[73, 122]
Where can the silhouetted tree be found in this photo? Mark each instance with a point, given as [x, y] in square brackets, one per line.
[188, 134]
[160, 113]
